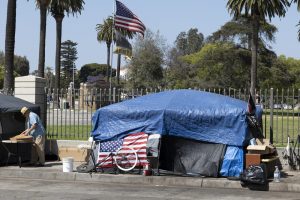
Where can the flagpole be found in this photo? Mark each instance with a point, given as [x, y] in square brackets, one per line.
[112, 50]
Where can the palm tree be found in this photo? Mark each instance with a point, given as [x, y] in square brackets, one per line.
[43, 6]
[298, 8]
[241, 29]
[104, 34]
[58, 8]
[257, 10]
[10, 45]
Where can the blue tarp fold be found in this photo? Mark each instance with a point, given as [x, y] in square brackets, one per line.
[233, 162]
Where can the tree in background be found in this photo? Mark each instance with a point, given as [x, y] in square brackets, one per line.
[146, 66]
[104, 34]
[43, 6]
[239, 31]
[181, 43]
[280, 75]
[220, 64]
[92, 69]
[258, 10]
[178, 73]
[2, 58]
[21, 66]
[194, 40]
[293, 66]
[189, 42]
[68, 58]
[58, 9]
[10, 45]
[50, 78]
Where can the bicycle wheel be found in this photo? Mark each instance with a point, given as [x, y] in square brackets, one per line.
[126, 158]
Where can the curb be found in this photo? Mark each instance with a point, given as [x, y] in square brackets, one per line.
[146, 180]
[122, 178]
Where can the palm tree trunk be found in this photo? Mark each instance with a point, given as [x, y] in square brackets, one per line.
[254, 47]
[10, 46]
[118, 68]
[43, 24]
[58, 18]
[108, 62]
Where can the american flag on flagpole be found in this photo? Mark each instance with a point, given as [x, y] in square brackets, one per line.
[105, 149]
[138, 142]
[125, 19]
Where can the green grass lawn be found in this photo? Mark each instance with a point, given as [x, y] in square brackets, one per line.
[282, 127]
[69, 132]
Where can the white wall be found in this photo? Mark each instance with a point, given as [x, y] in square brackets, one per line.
[32, 89]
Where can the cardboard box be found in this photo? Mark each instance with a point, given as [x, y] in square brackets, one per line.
[253, 159]
[79, 155]
[263, 147]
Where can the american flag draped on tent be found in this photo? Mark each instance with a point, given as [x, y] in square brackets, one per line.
[125, 19]
[137, 141]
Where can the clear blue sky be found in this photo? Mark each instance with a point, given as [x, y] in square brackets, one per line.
[168, 16]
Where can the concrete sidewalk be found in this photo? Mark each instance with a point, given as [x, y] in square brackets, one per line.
[54, 171]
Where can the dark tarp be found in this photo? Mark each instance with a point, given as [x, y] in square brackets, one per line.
[12, 123]
[190, 114]
[191, 157]
[11, 119]
[13, 104]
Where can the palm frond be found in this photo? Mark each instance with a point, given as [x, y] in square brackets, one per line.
[73, 7]
[259, 8]
[298, 31]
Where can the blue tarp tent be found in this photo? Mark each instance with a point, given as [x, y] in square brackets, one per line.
[189, 114]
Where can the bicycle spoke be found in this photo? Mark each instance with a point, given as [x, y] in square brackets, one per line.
[126, 159]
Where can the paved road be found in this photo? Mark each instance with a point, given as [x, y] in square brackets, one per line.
[69, 117]
[11, 188]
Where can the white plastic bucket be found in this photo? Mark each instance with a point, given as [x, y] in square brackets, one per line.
[68, 164]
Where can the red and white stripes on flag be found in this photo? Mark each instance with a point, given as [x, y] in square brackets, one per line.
[138, 142]
[125, 19]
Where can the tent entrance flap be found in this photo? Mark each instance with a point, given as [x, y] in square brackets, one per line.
[191, 157]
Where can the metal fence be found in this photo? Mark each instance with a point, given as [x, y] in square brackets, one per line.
[69, 112]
